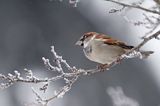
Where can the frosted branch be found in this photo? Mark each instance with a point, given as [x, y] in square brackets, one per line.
[151, 16]
[134, 6]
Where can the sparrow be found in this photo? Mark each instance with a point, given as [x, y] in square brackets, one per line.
[103, 49]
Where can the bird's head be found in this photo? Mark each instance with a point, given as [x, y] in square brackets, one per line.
[86, 39]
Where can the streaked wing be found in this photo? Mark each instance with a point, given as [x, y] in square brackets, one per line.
[108, 40]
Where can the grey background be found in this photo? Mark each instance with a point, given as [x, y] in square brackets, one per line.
[29, 27]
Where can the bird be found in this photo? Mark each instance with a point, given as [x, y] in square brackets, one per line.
[102, 49]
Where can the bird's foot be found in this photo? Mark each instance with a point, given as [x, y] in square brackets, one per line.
[103, 67]
[118, 61]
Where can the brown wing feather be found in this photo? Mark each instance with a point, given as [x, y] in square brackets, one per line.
[108, 40]
[102, 36]
[118, 43]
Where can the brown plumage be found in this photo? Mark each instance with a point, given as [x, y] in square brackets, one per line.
[107, 40]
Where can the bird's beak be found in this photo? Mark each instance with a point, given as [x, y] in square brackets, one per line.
[78, 43]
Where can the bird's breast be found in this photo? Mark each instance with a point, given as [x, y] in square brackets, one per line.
[102, 53]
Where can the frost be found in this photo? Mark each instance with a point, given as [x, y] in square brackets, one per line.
[17, 74]
[66, 80]
[133, 54]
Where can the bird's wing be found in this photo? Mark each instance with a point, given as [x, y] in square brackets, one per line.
[108, 40]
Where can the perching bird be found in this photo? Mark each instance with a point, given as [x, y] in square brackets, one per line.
[103, 49]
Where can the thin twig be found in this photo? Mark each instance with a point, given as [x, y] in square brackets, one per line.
[134, 6]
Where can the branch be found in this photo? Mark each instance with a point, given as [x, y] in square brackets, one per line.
[150, 21]
[155, 35]
[135, 6]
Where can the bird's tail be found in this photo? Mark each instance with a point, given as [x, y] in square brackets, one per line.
[145, 54]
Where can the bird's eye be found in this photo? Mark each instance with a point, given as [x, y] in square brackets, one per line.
[82, 44]
[84, 36]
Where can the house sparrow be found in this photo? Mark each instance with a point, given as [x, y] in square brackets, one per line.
[103, 49]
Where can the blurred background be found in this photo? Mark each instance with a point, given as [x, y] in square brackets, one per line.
[29, 27]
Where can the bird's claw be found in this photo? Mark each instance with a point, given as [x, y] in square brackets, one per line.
[103, 67]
